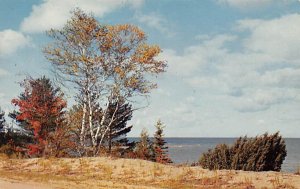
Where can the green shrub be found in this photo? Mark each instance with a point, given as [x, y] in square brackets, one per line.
[219, 158]
[262, 153]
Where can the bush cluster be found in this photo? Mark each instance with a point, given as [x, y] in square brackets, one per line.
[262, 153]
[12, 144]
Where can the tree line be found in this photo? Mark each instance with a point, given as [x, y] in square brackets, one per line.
[108, 67]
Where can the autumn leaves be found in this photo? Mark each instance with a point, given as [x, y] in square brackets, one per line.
[106, 65]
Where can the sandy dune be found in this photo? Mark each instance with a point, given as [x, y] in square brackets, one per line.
[127, 173]
[13, 184]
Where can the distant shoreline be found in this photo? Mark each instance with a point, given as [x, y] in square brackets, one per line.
[188, 150]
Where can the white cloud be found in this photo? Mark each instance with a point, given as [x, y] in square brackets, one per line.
[54, 13]
[260, 72]
[260, 99]
[254, 4]
[163, 92]
[194, 58]
[246, 4]
[283, 78]
[209, 84]
[3, 73]
[278, 38]
[11, 40]
[155, 21]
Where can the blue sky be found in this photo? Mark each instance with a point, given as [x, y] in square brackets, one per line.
[233, 65]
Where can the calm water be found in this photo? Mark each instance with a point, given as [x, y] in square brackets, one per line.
[188, 150]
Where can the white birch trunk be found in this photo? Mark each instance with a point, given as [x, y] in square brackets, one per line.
[102, 121]
[109, 125]
[84, 110]
[82, 133]
[91, 120]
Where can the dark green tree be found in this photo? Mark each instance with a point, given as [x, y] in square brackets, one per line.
[2, 120]
[12, 140]
[219, 158]
[116, 136]
[262, 153]
[22, 124]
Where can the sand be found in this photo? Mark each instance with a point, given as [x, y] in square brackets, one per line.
[13, 184]
[103, 172]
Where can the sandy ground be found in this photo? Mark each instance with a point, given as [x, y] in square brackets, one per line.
[13, 184]
[127, 173]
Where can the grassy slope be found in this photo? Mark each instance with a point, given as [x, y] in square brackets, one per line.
[127, 173]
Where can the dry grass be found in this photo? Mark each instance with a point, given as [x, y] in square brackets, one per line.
[127, 173]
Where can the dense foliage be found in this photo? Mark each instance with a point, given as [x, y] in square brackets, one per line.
[12, 142]
[262, 153]
[2, 120]
[117, 131]
[42, 107]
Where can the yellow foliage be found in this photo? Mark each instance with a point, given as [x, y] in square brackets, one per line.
[75, 68]
[119, 71]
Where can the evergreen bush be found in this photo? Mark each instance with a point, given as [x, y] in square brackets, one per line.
[262, 153]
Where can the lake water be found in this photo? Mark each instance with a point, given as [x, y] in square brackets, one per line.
[188, 150]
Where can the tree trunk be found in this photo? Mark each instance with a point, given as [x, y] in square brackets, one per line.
[82, 133]
[91, 121]
[108, 127]
[109, 141]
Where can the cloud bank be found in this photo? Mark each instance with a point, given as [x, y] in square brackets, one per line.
[54, 13]
[244, 4]
[255, 69]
